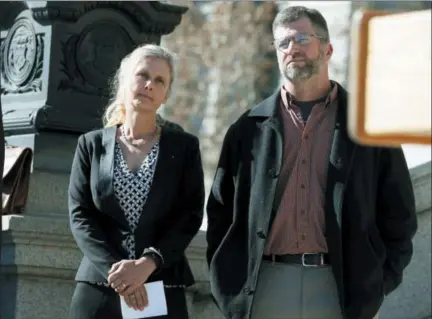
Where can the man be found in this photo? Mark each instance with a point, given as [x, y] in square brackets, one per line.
[303, 222]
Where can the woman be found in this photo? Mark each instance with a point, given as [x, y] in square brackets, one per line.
[136, 196]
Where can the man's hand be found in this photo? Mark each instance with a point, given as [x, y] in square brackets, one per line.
[137, 300]
[127, 275]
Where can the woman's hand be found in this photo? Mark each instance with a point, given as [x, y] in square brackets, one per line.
[126, 276]
[137, 300]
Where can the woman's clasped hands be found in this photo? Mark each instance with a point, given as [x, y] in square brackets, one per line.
[127, 278]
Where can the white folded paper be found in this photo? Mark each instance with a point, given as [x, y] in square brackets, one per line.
[157, 305]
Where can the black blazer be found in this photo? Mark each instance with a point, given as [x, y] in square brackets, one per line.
[171, 217]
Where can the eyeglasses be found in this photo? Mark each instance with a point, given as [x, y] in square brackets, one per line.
[302, 39]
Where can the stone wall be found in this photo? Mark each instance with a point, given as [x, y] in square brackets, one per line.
[412, 300]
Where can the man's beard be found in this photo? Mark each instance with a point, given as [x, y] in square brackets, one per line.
[295, 73]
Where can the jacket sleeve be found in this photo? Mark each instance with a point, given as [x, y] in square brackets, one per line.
[396, 215]
[189, 209]
[221, 199]
[86, 232]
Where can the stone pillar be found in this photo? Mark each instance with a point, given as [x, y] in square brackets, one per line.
[56, 60]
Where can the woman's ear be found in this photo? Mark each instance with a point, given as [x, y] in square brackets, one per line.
[166, 96]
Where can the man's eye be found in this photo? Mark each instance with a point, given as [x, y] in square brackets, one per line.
[284, 44]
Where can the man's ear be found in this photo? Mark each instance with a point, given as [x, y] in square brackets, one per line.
[329, 51]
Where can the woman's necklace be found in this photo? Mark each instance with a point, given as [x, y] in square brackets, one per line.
[146, 139]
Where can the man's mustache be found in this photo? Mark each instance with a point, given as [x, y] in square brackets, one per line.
[298, 55]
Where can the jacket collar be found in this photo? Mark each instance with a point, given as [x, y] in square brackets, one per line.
[268, 107]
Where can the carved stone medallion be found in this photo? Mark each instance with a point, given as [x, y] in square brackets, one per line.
[100, 49]
[19, 55]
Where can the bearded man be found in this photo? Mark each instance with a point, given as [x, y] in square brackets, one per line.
[302, 221]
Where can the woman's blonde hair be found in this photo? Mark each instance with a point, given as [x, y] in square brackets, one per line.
[115, 111]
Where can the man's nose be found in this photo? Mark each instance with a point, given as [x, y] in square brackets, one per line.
[293, 48]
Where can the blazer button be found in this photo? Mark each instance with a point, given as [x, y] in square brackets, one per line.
[261, 234]
[272, 173]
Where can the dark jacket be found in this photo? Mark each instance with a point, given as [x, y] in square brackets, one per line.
[370, 213]
[171, 217]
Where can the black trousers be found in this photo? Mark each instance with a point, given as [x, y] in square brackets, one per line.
[91, 301]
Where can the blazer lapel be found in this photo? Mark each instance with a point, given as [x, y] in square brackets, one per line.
[163, 171]
[106, 174]
[107, 162]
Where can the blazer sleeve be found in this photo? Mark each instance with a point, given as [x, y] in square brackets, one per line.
[221, 198]
[396, 215]
[188, 209]
[86, 232]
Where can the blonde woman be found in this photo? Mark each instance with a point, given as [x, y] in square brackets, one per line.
[136, 196]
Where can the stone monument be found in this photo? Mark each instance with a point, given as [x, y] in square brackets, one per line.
[56, 61]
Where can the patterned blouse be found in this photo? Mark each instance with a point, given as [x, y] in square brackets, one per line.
[131, 190]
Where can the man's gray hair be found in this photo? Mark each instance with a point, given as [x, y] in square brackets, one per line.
[294, 13]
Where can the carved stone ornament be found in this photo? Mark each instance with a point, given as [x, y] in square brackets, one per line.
[91, 58]
[154, 17]
[22, 59]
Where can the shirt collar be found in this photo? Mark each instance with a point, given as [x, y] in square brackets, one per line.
[288, 100]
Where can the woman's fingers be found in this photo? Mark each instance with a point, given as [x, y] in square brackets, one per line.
[114, 267]
[119, 286]
[139, 299]
[130, 290]
[128, 300]
[145, 296]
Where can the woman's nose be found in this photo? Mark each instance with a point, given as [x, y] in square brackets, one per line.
[149, 85]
